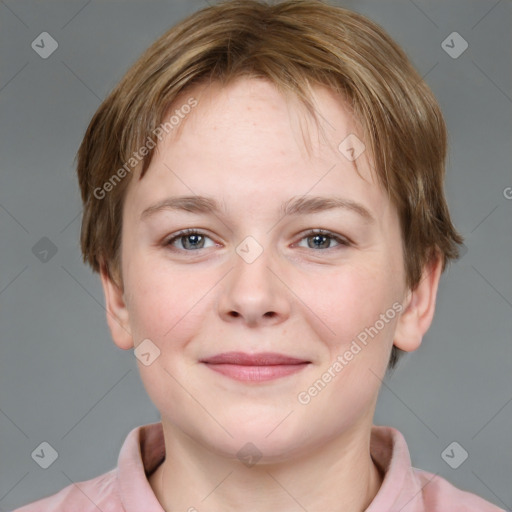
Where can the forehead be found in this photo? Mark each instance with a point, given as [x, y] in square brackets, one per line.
[247, 138]
[255, 107]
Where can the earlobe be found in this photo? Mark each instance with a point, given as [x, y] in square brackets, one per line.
[419, 307]
[118, 319]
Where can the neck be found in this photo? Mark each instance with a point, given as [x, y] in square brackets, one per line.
[338, 476]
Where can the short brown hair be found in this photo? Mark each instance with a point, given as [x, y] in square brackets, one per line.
[294, 44]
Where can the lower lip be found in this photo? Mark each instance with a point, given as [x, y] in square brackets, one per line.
[256, 373]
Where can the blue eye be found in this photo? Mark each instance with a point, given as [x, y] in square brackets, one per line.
[321, 239]
[193, 240]
[190, 240]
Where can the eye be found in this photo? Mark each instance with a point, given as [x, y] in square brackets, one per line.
[322, 239]
[189, 239]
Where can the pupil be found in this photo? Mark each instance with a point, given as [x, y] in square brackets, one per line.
[193, 240]
[319, 241]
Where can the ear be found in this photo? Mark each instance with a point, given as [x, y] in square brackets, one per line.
[118, 318]
[419, 307]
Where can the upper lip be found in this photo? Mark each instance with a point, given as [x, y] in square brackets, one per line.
[259, 359]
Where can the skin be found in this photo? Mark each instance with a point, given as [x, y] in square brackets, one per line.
[242, 146]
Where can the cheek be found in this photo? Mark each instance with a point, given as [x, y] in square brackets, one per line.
[163, 303]
[351, 299]
[166, 308]
[358, 304]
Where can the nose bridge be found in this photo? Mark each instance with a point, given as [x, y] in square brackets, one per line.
[252, 292]
[251, 266]
[251, 273]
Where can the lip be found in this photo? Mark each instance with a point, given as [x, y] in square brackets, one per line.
[259, 367]
[259, 359]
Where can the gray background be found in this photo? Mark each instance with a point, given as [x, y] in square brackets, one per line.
[63, 381]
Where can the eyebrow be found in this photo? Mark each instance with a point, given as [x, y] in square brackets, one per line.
[295, 206]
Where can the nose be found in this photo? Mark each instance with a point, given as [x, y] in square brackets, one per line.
[253, 294]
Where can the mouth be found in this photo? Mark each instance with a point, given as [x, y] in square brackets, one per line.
[255, 367]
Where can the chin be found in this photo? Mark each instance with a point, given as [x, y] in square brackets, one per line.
[269, 439]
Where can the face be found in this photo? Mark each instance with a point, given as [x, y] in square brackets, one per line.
[276, 251]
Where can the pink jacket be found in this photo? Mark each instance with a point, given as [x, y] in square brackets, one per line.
[126, 488]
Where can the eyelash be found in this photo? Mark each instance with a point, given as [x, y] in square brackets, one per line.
[343, 242]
